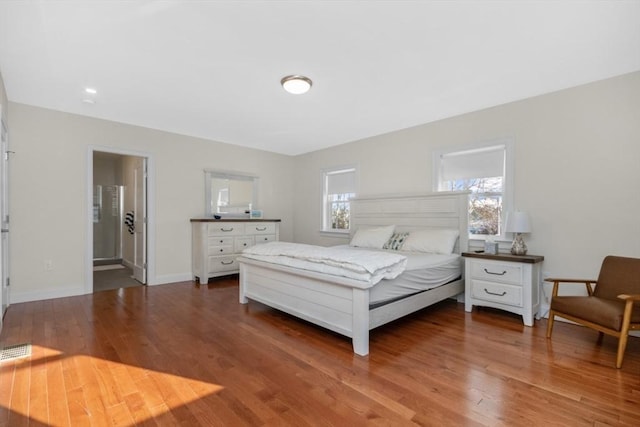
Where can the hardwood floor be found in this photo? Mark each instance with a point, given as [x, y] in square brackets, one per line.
[180, 354]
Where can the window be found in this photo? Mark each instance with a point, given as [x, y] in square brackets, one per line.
[339, 186]
[485, 170]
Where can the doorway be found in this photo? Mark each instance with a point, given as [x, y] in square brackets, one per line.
[118, 220]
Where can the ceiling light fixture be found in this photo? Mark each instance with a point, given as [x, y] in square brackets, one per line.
[90, 90]
[296, 85]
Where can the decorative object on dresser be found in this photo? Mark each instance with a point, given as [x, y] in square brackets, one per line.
[613, 308]
[216, 243]
[345, 305]
[504, 281]
[518, 223]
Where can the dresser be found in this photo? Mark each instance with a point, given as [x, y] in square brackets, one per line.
[216, 243]
[504, 281]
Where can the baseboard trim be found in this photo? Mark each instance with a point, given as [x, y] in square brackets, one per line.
[171, 278]
[18, 297]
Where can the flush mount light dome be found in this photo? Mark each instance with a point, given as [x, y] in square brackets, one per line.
[296, 84]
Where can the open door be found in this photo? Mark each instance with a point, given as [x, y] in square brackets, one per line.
[140, 221]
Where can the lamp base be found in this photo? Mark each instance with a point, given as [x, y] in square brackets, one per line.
[518, 247]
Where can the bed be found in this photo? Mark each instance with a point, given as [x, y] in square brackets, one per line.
[344, 304]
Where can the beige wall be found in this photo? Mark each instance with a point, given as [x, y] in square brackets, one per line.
[577, 160]
[3, 100]
[577, 170]
[49, 175]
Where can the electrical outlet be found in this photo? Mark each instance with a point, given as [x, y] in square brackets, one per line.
[48, 265]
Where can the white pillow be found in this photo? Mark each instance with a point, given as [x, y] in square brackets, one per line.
[433, 241]
[372, 237]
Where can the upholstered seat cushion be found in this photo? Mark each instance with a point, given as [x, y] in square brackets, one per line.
[601, 311]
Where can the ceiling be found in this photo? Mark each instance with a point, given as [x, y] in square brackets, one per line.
[212, 69]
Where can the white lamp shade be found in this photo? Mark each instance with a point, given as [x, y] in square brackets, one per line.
[517, 222]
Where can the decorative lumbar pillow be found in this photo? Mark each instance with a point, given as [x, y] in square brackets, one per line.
[433, 241]
[395, 241]
[372, 237]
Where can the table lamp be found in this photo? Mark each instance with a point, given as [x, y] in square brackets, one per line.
[518, 223]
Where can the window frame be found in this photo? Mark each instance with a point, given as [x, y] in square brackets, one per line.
[326, 206]
[508, 177]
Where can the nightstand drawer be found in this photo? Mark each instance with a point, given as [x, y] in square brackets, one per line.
[497, 272]
[497, 292]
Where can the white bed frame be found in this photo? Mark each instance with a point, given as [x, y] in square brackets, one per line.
[341, 304]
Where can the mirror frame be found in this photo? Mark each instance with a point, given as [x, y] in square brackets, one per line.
[209, 209]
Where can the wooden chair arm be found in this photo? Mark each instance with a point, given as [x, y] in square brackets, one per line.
[556, 282]
[553, 279]
[630, 297]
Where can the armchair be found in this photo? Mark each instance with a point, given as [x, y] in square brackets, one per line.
[612, 308]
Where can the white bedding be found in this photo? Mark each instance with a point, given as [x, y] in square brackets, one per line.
[369, 266]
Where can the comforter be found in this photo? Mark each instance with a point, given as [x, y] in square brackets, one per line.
[360, 264]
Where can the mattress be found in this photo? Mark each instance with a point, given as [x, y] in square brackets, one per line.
[423, 272]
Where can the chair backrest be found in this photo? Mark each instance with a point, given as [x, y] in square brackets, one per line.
[618, 275]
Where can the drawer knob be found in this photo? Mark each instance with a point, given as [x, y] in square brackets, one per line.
[261, 228]
[221, 250]
[226, 263]
[495, 274]
[226, 229]
[495, 293]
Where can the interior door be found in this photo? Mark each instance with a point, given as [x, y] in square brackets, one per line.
[4, 215]
[140, 221]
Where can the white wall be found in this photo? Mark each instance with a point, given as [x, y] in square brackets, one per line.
[49, 194]
[577, 170]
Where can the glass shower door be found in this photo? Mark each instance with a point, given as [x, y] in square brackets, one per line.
[107, 222]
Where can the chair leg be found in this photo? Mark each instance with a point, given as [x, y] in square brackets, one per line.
[552, 315]
[622, 345]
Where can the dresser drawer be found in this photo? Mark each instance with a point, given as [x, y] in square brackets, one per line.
[222, 263]
[497, 292]
[226, 229]
[265, 238]
[220, 241]
[220, 250]
[497, 272]
[243, 243]
[261, 228]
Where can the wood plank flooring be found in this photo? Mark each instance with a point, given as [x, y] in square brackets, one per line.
[181, 354]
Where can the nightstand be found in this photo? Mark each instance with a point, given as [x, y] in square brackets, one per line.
[504, 281]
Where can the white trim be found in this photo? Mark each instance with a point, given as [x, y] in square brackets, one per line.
[173, 278]
[18, 296]
[151, 213]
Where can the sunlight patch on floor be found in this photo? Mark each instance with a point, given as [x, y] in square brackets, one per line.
[92, 389]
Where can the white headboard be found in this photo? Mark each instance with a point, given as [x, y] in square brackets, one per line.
[446, 209]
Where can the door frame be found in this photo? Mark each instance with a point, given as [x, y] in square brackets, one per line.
[151, 214]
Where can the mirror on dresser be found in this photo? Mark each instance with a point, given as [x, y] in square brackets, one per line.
[229, 194]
